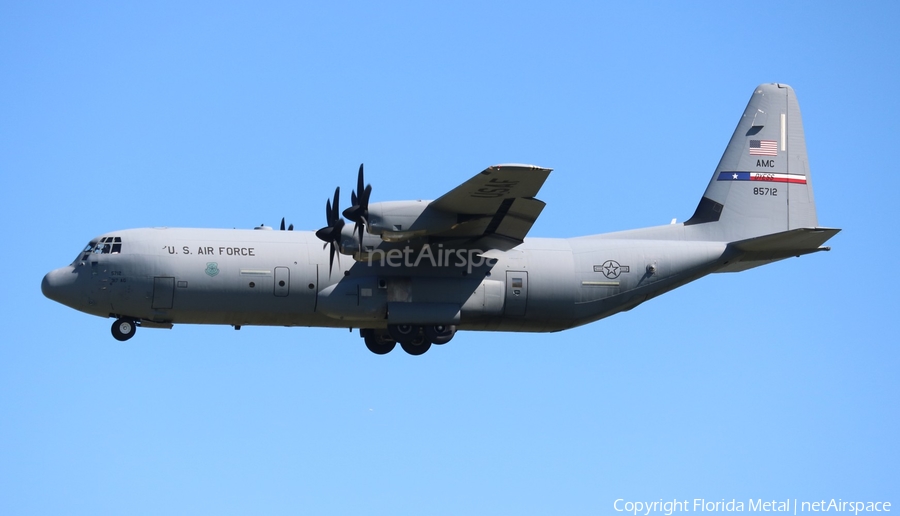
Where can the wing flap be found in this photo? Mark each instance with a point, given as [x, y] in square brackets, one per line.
[518, 220]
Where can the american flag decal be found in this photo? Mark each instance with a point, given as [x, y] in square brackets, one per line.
[763, 148]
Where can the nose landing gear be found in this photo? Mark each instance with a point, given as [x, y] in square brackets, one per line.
[123, 329]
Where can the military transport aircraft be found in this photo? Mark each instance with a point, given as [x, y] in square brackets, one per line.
[421, 270]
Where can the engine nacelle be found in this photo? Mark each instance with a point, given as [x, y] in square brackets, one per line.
[398, 221]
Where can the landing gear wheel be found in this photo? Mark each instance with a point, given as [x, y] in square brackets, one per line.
[123, 329]
[416, 347]
[404, 332]
[440, 333]
[379, 344]
[411, 338]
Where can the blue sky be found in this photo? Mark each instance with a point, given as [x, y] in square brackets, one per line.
[780, 382]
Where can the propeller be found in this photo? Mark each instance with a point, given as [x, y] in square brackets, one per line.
[290, 228]
[331, 234]
[358, 212]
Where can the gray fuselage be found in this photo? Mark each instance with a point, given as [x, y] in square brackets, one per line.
[265, 277]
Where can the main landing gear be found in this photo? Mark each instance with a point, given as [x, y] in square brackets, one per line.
[414, 339]
[123, 329]
[378, 343]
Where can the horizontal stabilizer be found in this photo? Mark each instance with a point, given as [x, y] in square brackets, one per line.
[757, 251]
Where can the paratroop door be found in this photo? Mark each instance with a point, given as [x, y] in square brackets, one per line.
[516, 292]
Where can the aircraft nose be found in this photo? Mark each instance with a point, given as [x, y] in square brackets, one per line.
[59, 285]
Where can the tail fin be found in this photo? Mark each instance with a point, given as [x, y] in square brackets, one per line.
[762, 184]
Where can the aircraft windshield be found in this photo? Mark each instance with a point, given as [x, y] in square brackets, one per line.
[106, 245]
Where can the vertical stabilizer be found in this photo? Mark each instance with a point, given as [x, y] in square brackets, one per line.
[762, 184]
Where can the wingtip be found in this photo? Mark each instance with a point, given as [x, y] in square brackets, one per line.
[520, 165]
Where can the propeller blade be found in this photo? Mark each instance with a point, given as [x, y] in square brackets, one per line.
[330, 259]
[331, 234]
[358, 212]
[335, 214]
[282, 223]
[362, 226]
[331, 253]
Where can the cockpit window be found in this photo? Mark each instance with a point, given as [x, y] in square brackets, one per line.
[106, 245]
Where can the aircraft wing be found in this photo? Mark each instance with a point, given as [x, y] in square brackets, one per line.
[497, 207]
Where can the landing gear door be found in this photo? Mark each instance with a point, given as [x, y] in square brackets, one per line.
[516, 292]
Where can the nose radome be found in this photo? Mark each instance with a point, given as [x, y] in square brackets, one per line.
[58, 284]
